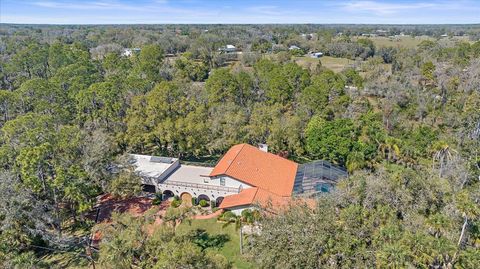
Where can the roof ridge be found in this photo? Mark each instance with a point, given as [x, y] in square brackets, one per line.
[271, 154]
[236, 155]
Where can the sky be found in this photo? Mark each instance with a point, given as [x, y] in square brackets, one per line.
[239, 11]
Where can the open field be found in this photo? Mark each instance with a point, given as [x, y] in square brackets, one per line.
[231, 249]
[333, 63]
[403, 41]
[409, 41]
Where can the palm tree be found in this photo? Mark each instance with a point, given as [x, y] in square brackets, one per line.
[390, 149]
[247, 217]
[443, 155]
[237, 220]
[393, 255]
[355, 160]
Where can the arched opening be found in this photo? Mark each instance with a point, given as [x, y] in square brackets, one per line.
[203, 197]
[167, 194]
[186, 199]
[218, 201]
[148, 188]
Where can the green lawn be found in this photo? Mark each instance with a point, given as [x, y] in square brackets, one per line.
[231, 249]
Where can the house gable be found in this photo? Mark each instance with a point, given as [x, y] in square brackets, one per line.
[257, 168]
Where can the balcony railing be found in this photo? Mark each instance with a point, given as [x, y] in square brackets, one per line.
[201, 186]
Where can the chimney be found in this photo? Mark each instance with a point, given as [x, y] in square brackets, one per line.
[263, 147]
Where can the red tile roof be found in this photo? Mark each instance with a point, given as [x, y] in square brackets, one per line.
[267, 199]
[252, 196]
[257, 168]
[245, 197]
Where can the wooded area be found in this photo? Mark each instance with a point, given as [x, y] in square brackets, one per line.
[404, 121]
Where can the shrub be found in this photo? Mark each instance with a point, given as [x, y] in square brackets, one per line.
[297, 52]
[227, 215]
[256, 215]
[194, 201]
[250, 58]
[158, 199]
[176, 203]
[204, 240]
[283, 56]
[213, 204]
[203, 203]
[250, 216]
[247, 216]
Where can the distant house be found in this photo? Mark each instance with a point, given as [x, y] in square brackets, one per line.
[127, 52]
[444, 35]
[228, 49]
[381, 32]
[308, 36]
[244, 178]
[316, 54]
[293, 47]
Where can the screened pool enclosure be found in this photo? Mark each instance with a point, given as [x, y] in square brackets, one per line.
[317, 177]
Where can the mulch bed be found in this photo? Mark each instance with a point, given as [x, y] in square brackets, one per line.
[107, 204]
[136, 206]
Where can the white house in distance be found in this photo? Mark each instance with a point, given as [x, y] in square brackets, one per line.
[293, 47]
[127, 52]
[316, 54]
[228, 49]
[381, 32]
[245, 177]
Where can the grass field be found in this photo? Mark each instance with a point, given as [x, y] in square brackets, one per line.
[231, 249]
[403, 41]
[333, 63]
[408, 41]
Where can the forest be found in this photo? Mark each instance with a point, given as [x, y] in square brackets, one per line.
[404, 120]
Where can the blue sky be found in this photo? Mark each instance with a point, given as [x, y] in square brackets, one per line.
[239, 11]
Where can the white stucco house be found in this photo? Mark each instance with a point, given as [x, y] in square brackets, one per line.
[245, 177]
